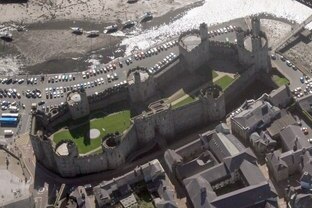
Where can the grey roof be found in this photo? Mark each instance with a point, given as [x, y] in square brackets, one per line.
[306, 177]
[289, 135]
[100, 194]
[253, 115]
[305, 102]
[222, 147]
[200, 191]
[234, 162]
[244, 197]
[203, 162]
[172, 158]
[236, 142]
[303, 201]
[223, 128]
[279, 124]
[160, 203]
[274, 160]
[251, 173]
[215, 173]
[152, 171]
[277, 97]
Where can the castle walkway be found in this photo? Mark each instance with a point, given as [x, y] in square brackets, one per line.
[294, 31]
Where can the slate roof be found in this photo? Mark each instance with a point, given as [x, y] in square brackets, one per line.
[280, 123]
[251, 173]
[289, 135]
[244, 197]
[233, 163]
[200, 191]
[172, 158]
[253, 115]
[222, 147]
[278, 96]
[303, 201]
[276, 163]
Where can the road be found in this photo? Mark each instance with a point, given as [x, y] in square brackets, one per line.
[293, 32]
[292, 75]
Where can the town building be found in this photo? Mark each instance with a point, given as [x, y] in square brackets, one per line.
[218, 171]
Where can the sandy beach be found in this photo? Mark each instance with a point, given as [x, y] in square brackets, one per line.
[95, 10]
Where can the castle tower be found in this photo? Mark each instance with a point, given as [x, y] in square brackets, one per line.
[78, 104]
[137, 77]
[213, 103]
[194, 48]
[255, 25]
[203, 31]
[141, 85]
[240, 35]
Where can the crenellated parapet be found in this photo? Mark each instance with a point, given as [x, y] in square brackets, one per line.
[160, 121]
[253, 47]
[194, 47]
[141, 84]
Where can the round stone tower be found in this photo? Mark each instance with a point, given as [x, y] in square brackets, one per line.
[78, 104]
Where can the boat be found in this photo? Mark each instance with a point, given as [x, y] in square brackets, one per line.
[77, 30]
[128, 24]
[146, 16]
[111, 28]
[93, 33]
[6, 35]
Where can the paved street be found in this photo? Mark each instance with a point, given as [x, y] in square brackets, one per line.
[292, 75]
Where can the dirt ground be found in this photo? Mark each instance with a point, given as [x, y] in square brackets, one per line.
[33, 44]
[301, 53]
[86, 10]
[275, 30]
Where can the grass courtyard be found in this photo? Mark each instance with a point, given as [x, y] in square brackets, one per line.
[224, 81]
[279, 80]
[183, 102]
[111, 123]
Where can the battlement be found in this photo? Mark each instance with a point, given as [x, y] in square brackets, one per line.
[160, 120]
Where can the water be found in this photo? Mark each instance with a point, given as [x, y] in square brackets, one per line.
[216, 11]
[167, 26]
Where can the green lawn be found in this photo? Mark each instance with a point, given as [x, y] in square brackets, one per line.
[280, 81]
[183, 102]
[224, 81]
[145, 200]
[214, 74]
[119, 121]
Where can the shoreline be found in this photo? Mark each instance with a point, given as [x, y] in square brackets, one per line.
[32, 53]
[94, 12]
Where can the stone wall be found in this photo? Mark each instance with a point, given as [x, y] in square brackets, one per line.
[188, 116]
[240, 83]
[169, 73]
[100, 103]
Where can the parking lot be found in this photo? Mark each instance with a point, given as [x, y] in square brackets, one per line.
[19, 93]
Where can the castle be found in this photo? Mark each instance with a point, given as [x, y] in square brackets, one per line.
[161, 123]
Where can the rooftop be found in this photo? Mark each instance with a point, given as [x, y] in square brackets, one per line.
[189, 42]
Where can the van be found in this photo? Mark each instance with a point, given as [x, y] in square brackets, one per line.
[108, 78]
[8, 133]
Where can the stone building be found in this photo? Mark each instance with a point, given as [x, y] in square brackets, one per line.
[253, 47]
[78, 104]
[251, 117]
[160, 123]
[141, 85]
[213, 163]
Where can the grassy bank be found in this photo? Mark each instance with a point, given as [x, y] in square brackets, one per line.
[224, 82]
[119, 121]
